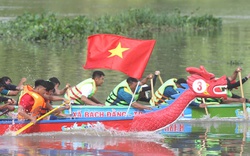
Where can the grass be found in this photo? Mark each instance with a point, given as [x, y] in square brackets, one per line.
[137, 23]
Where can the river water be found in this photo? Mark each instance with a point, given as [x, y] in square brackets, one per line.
[220, 52]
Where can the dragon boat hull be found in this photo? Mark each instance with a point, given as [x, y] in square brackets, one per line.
[115, 117]
[7, 126]
[10, 126]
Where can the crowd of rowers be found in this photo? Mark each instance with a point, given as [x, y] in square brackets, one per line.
[34, 101]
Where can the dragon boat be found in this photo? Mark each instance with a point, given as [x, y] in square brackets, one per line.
[199, 84]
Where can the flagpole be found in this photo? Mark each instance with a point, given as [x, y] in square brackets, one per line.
[132, 98]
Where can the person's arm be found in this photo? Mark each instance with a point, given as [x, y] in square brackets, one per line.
[235, 74]
[53, 97]
[95, 100]
[169, 91]
[235, 96]
[87, 101]
[58, 110]
[140, 106]
[4, 92]
[61, 91]
[237, 84]
[154, 82]
[3, 99]
[144, 80]
[21, 111]
[3, 107]
[193, 103]
[21, 83]
[86, 91]
[155, 77]
[239, 97]
[11, 101]
[201, 105]
[11, 87]
[13, 92]
[9, 92]
[230, 100]
[127, 97]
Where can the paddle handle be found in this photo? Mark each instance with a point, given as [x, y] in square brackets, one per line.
[152, 91]
[70, 108]
[242, 95]
[203, 100]
[40, 118]
[6, 111]
[160, 79]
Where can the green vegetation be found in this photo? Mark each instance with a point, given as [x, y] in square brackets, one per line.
[139, 23]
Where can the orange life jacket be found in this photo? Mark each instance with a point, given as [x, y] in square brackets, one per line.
[39, 106]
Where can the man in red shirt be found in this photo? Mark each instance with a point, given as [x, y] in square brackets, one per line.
[32, 103]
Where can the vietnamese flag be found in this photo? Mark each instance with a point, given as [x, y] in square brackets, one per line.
[127, 55]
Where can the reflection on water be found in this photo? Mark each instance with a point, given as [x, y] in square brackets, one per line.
[204, 138]
[212, 138]
[78, 144]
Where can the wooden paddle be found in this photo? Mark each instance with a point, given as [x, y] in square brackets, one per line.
[6, 111]
[242, 95]
[205, 107]
[160, 79]
[70, 108]
[40, 118]
[152, 91]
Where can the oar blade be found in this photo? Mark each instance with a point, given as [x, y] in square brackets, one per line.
[23, 128]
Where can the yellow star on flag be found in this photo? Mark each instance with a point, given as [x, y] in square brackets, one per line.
[117, 51]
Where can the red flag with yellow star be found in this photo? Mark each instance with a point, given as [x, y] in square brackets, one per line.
[127, 55]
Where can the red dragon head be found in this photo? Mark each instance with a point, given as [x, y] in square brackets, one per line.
[204, 84]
